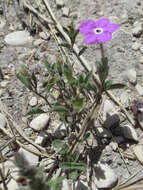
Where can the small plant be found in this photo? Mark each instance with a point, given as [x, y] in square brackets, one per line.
[73, 103]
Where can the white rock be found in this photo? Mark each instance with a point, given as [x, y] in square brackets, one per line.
[137, 30]
[12, 185]
[124, 98]
[65, 11]
[129, 132]
[65, 185]
[136, 46]
[2, 120]
[40, 122]
[110, 115]
[141, 49]
[141, 60]
[113, 145]
[132, 76]
[41, 138]
[103, 132]
[18, 38]
[4, 84]
[138, 151]
[33, 101]
[2, 24]
[31, 158]
[139, 88]
[38, 42]
[104, 176]
[44, 35]
[60, 3]
[140, 119]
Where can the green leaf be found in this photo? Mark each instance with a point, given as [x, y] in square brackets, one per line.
[102, 69]
[68, 73]
[82, 51]
[67, 45]
[25, 78]
[50, 67]
[56, 184]
[73, 175]
[78, 102]
[117, 86]
[58, 143]
[60, 109]
[108, 84]
[88, 77]
[60, 67]
[50, 84]
[72, 165]
[73, 35]
[35, 111]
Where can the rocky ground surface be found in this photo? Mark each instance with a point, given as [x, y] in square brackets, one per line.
[125, 54]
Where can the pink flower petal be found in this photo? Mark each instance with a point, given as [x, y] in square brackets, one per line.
[104, 37]
[90, 39]
[102, 22]
[111, 27]
[87, 26]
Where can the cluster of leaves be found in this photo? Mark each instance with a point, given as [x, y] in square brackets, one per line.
[72, 89]
[69, 164]
[34, 178]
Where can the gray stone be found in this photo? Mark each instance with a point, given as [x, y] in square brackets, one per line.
[83, 185]
[129, 132]
[137, 30]
[41, 138]
[40, 122]
[104, 176]
[139, 88]
[33, 101]
[136, 46]
[132, 76]
[60, 132]
[110, 115]
[2, 120]
[140, 119]
[138, 151]
[60, 3]
[65, 11]
[18, 38]
[113, 145]
[31, 158]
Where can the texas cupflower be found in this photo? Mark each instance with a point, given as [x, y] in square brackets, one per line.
[99, 31]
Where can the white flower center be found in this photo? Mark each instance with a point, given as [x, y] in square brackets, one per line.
[98, 30]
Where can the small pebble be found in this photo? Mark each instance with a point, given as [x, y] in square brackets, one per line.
[40, 122]
[65, 11]
[141, 60]
[60, 3]
[132, 76]
[139, 88]
[136, 46]
[33, 101]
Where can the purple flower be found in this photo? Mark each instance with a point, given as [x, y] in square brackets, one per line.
[99, 31]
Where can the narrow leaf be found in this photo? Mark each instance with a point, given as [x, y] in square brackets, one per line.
[35, 111]
[58, 143]
[60, 109]
[78, 102]
[67, 45]
[117, 86]
[82, 51]
[72, 165]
